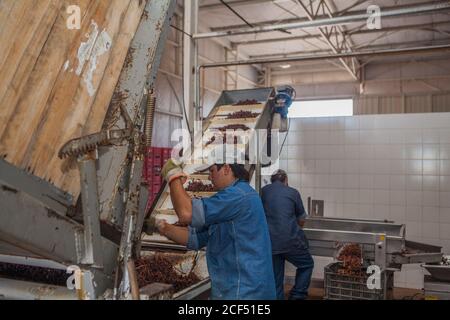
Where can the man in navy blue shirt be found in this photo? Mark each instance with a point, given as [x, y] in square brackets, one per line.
[286, 216]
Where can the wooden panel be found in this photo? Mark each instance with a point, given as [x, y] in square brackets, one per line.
[33, 102]
[29, 25]
[57, 83]
[73, 96]
[10, 26]
[17, 69]
[67, 171]
[5, 11]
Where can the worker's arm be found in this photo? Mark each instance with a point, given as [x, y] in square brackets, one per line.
[182, 202]
[300, 211]
[192, 238]
[177, 234]
[172, 172]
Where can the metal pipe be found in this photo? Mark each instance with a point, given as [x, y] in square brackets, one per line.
[328, 56]
[198, 108]
[328, 22]
[398, 45]
[168, 113]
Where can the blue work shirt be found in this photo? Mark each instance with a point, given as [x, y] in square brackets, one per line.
[233, 227]
[284, 208]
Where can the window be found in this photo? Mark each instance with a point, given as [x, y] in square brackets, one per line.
[321, 108]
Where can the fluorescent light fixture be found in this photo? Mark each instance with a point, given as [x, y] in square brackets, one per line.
[285, 66]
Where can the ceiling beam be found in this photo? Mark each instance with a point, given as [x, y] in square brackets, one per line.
[334, 36]
[259, 24]
[374, 47]
[389, 52]
[276, 72]
[319, 17]
[330, 22]
[237, 3]
[426, 26]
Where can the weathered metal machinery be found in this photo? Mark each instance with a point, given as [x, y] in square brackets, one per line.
[71, 207]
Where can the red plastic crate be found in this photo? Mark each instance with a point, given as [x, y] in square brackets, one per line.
[154, 161]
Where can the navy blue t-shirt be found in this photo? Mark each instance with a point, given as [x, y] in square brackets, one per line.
[284, 208]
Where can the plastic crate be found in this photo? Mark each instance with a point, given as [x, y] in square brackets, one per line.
[154, 161]
[349, 287]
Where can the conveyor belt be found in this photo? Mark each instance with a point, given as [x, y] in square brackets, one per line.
[163, 208]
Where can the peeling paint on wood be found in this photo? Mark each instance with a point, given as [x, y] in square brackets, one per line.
[102, 45]
[85, 49]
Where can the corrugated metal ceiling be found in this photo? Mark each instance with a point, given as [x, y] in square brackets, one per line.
[424, 29]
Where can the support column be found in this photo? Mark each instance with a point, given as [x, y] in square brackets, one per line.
[190, 61]
[268, 76]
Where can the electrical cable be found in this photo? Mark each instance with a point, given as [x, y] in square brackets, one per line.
[245, 21]
[236, 13]
[285, 137]
[181, 30]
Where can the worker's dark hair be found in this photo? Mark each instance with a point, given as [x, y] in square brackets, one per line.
[279, 175]
[238, 170]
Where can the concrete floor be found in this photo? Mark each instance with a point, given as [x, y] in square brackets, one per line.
[317, 293]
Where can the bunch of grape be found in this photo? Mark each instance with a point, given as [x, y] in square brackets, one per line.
[31, 273]
[242, 114]
[245, 102]
[351, 257]
[234, 127]
[160, 269]
[199, 186]
[224, 129]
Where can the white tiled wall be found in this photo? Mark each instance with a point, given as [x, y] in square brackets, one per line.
[394, 167]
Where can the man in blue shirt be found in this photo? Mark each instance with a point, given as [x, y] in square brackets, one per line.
[233, 227]
[286, 216]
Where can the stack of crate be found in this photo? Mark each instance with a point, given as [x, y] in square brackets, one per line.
[155, 159]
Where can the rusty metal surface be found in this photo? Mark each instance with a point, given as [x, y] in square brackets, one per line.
[22, 290]
[27, 225]
[157, 291]
[13, 179]
[137, 76]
